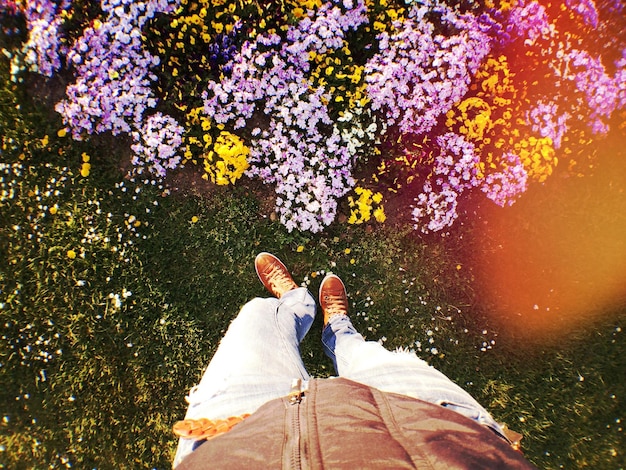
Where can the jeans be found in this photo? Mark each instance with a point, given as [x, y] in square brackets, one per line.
[259, 357]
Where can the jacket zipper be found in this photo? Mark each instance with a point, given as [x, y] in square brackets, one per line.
[294, 439]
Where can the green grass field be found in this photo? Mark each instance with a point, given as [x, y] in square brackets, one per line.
[114, 295]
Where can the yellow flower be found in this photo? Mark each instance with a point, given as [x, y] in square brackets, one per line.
[62, 132]
[368, 203]
[537, 156]
[54, 209]
[194, 219]
[228, 160]
[71, 254]
[300, 248]
[379, 215]
[85, 169]
[347, 251]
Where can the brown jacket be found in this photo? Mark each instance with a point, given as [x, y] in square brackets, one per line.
[347, 425]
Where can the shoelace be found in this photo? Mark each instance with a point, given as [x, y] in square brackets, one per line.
[335, 305]
[278, 280]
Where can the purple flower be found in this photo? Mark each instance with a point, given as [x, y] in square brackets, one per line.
[504, 186]
[544, 119]
[456, 167]
[113, 78]
[157, 145]
[419, 74]
[620, 80]
[435, 210]
[529, 21]
[44, 46]
[586, 9]
[600, 92]
[301, 151]
[455, 171]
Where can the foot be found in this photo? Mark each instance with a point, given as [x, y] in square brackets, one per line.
[273, 274]
[333, 297]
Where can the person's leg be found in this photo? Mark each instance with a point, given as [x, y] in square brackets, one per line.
[368, 362]
[265, 339]
[256, 361]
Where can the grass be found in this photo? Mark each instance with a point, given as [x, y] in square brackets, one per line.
[114, 295]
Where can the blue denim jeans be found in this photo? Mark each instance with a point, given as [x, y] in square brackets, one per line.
[259, 357]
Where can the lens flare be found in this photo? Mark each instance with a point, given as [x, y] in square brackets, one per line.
[557, 258]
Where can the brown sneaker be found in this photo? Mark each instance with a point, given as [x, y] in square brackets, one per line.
[273, 274]
[333, 297]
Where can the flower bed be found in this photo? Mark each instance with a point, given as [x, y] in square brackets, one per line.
[299, 94]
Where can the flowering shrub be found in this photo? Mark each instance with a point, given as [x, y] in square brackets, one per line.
[515, 138]
[586, 9]
[508, 182]
[228, 160]
[598, 89]
[436, 208]
[472, 156]
[298, 94]
[300, 150]
[196, 41]
[546, 120]
[44, 38]
[368, 204]
[419, 73]
[570, 84]
[157, 144]
[112, 88]
[537, 156]
[455, 170]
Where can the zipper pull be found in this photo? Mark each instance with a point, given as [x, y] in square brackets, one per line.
[296, 393]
